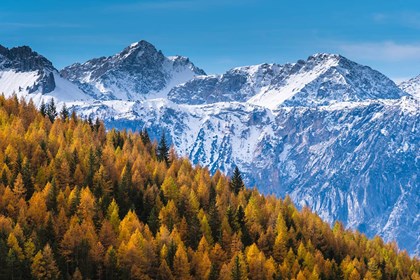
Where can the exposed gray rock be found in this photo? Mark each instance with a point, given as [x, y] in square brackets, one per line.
[138, 70]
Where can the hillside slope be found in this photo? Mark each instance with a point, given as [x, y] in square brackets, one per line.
[123, 207]
[335, 135]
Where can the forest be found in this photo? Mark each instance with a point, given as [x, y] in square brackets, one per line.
[78, 201]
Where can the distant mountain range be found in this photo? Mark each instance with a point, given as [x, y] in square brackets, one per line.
[337, 136]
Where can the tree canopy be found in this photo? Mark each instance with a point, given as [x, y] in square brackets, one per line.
[78, 202]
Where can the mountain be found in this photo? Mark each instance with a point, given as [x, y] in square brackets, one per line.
[26, 73]
[138, 72]
[320, 80]
[139, 216]
[355, 162]
[412, 86]
[238, 84]
[337, 136]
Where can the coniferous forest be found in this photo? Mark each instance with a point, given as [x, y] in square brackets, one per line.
[80, 202]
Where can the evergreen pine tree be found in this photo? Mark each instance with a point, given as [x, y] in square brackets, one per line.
[91, 168]
[153, 220]
[51, 110]
[214, 222]
[64, 113]
[27, 180]
[145, 137]
[240, 217]
[43, 108]
[90, 122]
[163, 150]
[214, 274]
[236, 183]
[97, 124]
[4, 180]
[236, 273]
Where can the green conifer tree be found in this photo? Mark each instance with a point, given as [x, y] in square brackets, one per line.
[236, 183]
[163, 150]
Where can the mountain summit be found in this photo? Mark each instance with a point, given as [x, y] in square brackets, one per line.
[136, 73]
[412, 86]
[23, 59]
[16, 61]
[320, 80]
[29, 74]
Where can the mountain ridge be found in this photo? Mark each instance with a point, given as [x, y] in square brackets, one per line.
[138, 70]
[28, 74]
[412, 86]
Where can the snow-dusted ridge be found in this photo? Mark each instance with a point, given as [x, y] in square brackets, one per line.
[337, 136]
[412, 87]
[27, 74]
[138, 72]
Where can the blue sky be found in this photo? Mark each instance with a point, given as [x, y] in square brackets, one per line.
[220, 34]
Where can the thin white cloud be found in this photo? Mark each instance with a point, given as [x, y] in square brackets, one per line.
[409, 19]
[382, 51]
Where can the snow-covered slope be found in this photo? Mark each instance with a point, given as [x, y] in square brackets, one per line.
[238, 84]
[27, 74]
[352, 161]
[412, 86]
[357, 162]
[138, 72]
[335, 135]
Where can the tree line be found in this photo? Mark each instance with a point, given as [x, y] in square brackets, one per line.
[78, 202]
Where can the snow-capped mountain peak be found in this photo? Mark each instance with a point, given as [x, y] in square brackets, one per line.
[23, 59]
[326, 79]
[139, 71]
[140, 52]
[412, 87]
[322, 57]
[28, 74]
[322, 79]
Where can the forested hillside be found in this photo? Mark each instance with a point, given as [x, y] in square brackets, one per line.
[77, 202]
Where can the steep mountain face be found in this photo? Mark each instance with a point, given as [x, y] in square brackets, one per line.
[238, 84]
[138, 72]
[357, 162]
[412, 86]
[28, 74]
[320, 80]
[334, 135]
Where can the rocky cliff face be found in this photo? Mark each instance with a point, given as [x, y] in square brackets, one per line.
[23, 59]
[28, 74]
[320, 80]
[136, 73]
